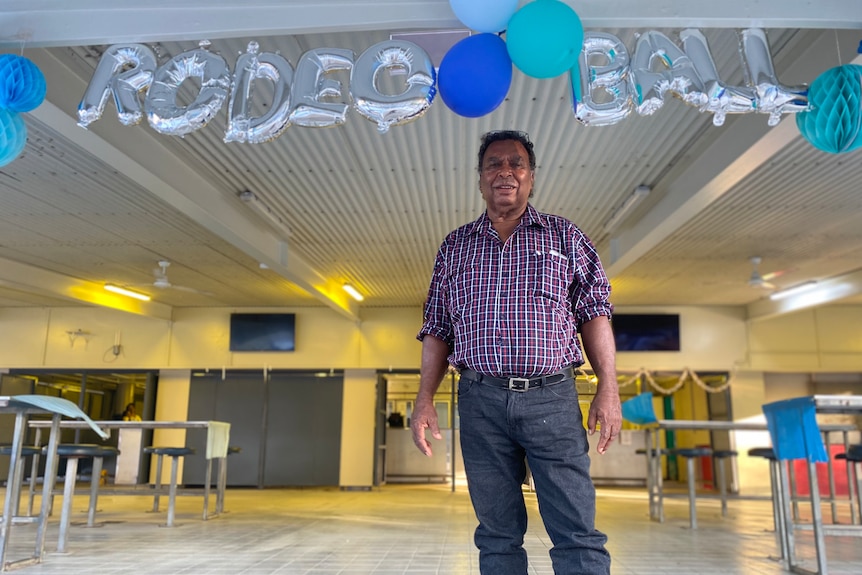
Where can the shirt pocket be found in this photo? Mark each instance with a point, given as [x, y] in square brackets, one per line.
[463, 289]
[552, 277]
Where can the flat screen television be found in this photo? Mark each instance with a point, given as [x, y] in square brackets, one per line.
[262, 332]
[646, 332]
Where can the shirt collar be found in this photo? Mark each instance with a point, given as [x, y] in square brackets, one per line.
[531, 217]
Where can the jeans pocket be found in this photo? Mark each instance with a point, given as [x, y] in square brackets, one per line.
[465, 386]
[564, 390]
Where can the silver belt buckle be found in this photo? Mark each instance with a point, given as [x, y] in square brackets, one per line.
[514, 380]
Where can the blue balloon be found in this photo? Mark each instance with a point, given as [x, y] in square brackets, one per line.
[833, 122]
[22, 84]
[545, 38]
[484, 15]
[13, 136]
[475, 75]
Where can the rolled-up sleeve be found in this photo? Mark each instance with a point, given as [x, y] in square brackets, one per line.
[436, 319]
[591, 290]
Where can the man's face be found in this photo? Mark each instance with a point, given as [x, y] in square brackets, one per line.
[506, 180]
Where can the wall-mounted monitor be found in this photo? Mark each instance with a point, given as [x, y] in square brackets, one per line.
[262, 332]
[646, 332]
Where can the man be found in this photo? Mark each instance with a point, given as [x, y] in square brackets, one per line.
[509, 294]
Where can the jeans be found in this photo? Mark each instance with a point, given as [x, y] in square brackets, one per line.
[499, 428]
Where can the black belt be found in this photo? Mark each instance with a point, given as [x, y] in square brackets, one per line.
[520, 383]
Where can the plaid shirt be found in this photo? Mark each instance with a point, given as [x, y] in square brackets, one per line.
[514, 309]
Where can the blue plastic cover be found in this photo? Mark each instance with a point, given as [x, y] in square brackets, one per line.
[793, 428]
[639, 409]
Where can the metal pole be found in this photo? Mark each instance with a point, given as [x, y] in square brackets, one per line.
[51, 462]
[81, 402]
[852, 493]
[817, 518]
[12, 486]
[452, 427]
[832, 492]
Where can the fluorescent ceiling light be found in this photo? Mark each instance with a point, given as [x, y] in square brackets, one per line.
[636, 197]
[791, 291]
[354, 293]
[127, 292]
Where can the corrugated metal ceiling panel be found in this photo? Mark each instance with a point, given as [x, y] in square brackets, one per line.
[372, 208]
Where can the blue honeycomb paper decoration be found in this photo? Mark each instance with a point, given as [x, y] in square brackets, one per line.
[22, 84]
[13, 136]
[833, 121]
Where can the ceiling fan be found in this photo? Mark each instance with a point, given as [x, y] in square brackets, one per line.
[161, 281]
[759, 280]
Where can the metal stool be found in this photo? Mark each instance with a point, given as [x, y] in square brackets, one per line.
[691, 454]
[654, 481]
[769, 454]
[26, 451]
[72, 452]
[720, 457]
[853, 456]
[221, 480]
[222, 470]
[174, 453]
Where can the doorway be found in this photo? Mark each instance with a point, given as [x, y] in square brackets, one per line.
[101, 394]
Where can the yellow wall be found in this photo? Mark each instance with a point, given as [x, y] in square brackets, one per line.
[820, 339]
[198, 338]
[714, 338]
[357, 428]
[690, 403]
[172, 405]
[826, 339]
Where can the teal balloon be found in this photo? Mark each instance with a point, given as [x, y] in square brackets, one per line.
[833, 121]
[22, 84]
[13, 136]
[484, 15]
[544, 38]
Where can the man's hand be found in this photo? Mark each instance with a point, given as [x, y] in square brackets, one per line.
[606, 411]
[424, 416]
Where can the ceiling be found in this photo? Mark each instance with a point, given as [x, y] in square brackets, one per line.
[81, 208]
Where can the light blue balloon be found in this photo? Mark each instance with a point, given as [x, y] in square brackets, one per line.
[545, 38]
[13, 136]
[833, 122]
[22, 84]
[484, 15]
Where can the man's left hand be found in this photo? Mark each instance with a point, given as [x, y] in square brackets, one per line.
[605, 411]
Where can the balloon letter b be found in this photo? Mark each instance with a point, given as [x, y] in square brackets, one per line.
[605, 84]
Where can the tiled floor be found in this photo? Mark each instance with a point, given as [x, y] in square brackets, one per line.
[402, 529]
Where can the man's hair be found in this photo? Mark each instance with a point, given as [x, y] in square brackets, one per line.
[499, 135]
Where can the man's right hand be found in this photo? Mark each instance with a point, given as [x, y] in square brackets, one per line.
[424, 416]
